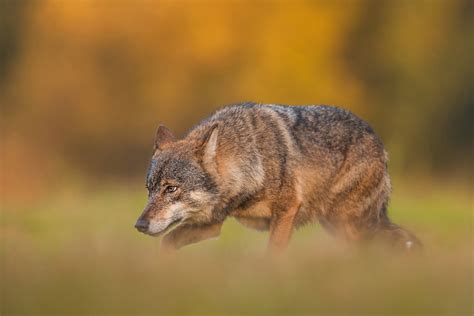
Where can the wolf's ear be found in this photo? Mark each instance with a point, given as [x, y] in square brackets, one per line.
[208, 146]
[163, 136]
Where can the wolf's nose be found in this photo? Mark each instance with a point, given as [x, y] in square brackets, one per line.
[142, 225]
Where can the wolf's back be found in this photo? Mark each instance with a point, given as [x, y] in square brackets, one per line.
[291, 132]
[266, 148]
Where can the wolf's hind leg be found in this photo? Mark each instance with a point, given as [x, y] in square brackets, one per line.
[186, 235]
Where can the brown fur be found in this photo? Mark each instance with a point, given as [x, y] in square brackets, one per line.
[273, 168]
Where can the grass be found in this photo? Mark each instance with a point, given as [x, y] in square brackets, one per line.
[78, 253]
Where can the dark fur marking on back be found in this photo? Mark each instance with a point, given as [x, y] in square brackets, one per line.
[282, 151]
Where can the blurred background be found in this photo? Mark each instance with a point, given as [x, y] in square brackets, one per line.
[84, 84]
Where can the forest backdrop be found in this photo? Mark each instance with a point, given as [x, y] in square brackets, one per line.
[84, 84]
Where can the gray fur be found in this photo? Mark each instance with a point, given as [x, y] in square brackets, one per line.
[276, 168]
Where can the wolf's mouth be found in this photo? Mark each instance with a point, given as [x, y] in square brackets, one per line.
[168, 228]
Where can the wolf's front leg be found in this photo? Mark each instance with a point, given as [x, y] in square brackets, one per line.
[186, 235]
[281, 228]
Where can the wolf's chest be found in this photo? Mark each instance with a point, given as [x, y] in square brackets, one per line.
[259, 209]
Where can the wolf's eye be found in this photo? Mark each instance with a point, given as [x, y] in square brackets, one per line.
[170, 189]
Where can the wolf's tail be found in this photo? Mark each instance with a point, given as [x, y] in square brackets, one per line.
[398, 237]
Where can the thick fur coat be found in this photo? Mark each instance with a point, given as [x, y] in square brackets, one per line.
[274, 168]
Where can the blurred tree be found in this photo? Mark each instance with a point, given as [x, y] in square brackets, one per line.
[12, 22]
[414, 60]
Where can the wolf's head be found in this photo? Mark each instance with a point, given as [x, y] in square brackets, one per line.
[181, 189]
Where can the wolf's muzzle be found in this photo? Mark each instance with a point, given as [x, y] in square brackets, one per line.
[142, 225]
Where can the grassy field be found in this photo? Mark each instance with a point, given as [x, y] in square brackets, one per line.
[79, 254]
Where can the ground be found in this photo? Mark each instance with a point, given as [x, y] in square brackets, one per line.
[78, 253]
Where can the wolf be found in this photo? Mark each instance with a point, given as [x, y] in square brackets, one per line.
[274, 168]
